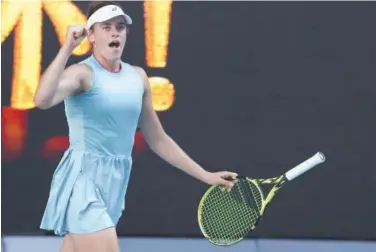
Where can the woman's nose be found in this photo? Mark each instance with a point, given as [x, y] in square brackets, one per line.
[115, 33]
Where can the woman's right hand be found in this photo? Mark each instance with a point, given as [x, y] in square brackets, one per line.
[74, 36]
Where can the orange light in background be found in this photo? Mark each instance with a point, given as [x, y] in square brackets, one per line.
[54, 146]
[163, 94]
[13, 132]
[157, 15]
[26, 18]
[71, 15]
[27, 54]
[139, 144]
[157, 31]
[10, 13]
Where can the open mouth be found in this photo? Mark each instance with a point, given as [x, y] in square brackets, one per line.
[114, 44]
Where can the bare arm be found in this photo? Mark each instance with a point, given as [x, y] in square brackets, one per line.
[57, 82]
[166, 148]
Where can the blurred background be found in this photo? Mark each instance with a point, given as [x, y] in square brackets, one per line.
[252, 87]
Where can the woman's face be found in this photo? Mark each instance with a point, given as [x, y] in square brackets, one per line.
[109, 37]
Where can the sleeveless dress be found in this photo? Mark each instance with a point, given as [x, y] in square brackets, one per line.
[89, 185]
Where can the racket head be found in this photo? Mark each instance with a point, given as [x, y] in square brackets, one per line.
[225, 218]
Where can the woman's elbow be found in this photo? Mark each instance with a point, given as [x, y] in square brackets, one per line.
[40, 102]
[157, 141]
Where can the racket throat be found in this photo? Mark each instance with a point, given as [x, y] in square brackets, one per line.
[272, 193]
[281, 182]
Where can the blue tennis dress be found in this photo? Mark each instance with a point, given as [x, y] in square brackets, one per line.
[89, 185]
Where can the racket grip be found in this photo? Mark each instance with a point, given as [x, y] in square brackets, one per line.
[316, 159]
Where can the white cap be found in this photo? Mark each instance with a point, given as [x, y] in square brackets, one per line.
[106, 13]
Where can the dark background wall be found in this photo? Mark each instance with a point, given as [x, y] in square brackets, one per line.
[260, 87]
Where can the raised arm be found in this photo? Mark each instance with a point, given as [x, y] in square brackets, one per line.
[57, 82]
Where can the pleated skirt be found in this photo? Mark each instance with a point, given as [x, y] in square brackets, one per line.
[87, 193]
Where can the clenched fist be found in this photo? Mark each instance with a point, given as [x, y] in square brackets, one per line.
[75, 35]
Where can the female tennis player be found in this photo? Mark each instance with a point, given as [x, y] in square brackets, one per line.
[105, 99]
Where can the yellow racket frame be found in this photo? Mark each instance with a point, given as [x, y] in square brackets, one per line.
[205, 196]
[278, 182]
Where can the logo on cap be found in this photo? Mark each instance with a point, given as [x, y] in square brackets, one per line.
[114, 9]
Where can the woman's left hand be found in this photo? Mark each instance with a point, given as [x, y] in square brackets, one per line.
[223, 178]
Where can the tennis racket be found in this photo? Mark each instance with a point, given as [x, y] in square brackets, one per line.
[225, 218]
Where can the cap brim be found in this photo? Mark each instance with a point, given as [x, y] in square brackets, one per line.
[127, 18]
[106, 13]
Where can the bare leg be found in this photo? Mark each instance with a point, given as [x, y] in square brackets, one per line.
[67, 244]
[101, 241]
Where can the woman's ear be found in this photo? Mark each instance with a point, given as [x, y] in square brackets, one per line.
[90, 35]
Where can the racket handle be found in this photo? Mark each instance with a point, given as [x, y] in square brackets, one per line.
[316, 159]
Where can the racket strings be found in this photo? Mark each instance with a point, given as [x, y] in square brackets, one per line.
[216, 221]
[258, 198]
[229, 216]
